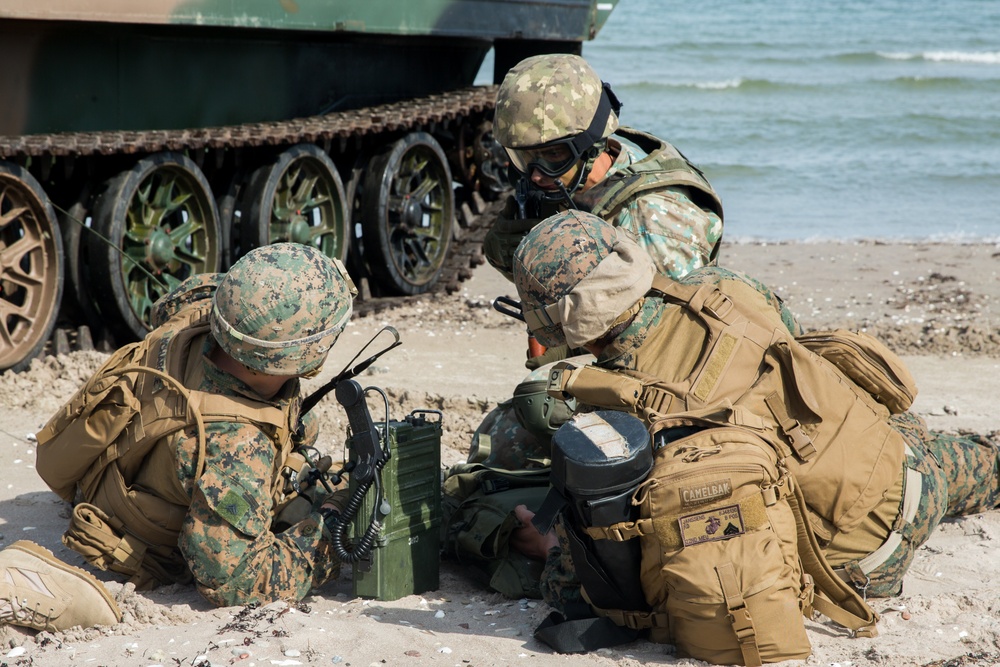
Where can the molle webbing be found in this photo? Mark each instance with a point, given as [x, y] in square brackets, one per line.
[662, 168]
[753, 510]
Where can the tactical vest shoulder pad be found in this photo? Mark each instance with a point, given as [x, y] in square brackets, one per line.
[664, 166]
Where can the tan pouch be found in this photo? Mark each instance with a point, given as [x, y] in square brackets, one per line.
[91, 534]
[595, 386]
[868, 362]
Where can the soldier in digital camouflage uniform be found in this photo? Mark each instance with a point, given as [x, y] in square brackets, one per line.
[559, 125]
[270, 320]
[600, 284]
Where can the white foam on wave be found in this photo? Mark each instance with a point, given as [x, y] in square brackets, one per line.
[977, 57]
[720, 85]
[984, 58]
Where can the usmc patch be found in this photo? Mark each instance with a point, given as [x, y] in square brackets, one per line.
[714, 525]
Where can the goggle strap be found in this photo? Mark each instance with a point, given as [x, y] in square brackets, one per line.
[581, 142]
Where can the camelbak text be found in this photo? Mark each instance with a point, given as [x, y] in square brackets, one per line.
[706, 493]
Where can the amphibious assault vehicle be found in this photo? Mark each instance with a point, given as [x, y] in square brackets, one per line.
[143, 142]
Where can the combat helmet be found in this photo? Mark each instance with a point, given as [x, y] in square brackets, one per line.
[550, 101]
[575, 275]
[280, 308]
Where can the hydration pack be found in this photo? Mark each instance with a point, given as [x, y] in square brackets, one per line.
[706, 523]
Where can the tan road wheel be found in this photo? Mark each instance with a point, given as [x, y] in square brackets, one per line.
[156, 225]
[31, 273]
[408, 205]
[300, 198]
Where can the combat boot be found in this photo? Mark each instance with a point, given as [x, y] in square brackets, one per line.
[39, 591]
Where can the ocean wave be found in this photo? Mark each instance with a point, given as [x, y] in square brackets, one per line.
[720, 84]
[974, 57]
[866, 238]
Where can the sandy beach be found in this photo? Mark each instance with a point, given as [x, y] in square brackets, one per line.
[937, 305]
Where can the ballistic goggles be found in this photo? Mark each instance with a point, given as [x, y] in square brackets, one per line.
[557, 157]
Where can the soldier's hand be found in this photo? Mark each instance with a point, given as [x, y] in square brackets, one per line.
[526, 538]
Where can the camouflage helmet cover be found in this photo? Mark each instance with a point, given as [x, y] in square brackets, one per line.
[547, 98]
[575, 274]
[280, 308]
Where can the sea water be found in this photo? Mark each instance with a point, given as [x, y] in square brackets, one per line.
[822, 120]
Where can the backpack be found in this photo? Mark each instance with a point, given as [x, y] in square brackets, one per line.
[728, 566]
[477, 507]
[118, 424]
[868, 363]
[833, 435]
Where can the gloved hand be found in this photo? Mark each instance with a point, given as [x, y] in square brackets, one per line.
[503, 236]
[550, 355]
[333, 506]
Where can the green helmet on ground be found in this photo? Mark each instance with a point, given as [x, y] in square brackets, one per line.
[535, 409]
[280, 308]
[551, 100]
[575, 274]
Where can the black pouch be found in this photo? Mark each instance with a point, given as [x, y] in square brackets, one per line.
[598, 460]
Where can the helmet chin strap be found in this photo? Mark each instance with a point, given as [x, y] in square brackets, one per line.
[586, 166]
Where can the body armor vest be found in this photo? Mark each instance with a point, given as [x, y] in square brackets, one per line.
[663, 167]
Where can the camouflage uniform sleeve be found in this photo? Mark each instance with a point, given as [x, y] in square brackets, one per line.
[679, 235]
[226, 538]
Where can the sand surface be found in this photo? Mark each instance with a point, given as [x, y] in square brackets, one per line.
[937, 305]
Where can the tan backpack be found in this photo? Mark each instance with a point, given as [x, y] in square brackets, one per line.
[834, 435]
[729, 565]
[116, 427]
[868, 363]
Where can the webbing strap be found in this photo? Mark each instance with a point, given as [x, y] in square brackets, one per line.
[856, 572]
[834, 599]
[801, 442]
[739, 615]
[634, 620]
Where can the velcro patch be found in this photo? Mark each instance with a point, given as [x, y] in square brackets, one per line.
[233, 507]
[713, 525]
[705, 493]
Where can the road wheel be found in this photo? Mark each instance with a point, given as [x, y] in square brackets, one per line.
[298, 198]
[76, 223]
[31, 268]
[156, 225]
[408, 206]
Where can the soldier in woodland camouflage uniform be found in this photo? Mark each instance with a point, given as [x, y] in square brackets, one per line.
[583, 284]
[269, 321]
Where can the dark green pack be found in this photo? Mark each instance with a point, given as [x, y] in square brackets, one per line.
[405, 555]
[478, 503]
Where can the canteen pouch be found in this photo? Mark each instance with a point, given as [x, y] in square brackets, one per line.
[598, 460]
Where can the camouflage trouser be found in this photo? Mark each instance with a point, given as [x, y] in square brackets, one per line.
[958, 475]
[560, 586]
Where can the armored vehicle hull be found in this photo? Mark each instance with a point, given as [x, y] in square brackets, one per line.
[141, 146]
